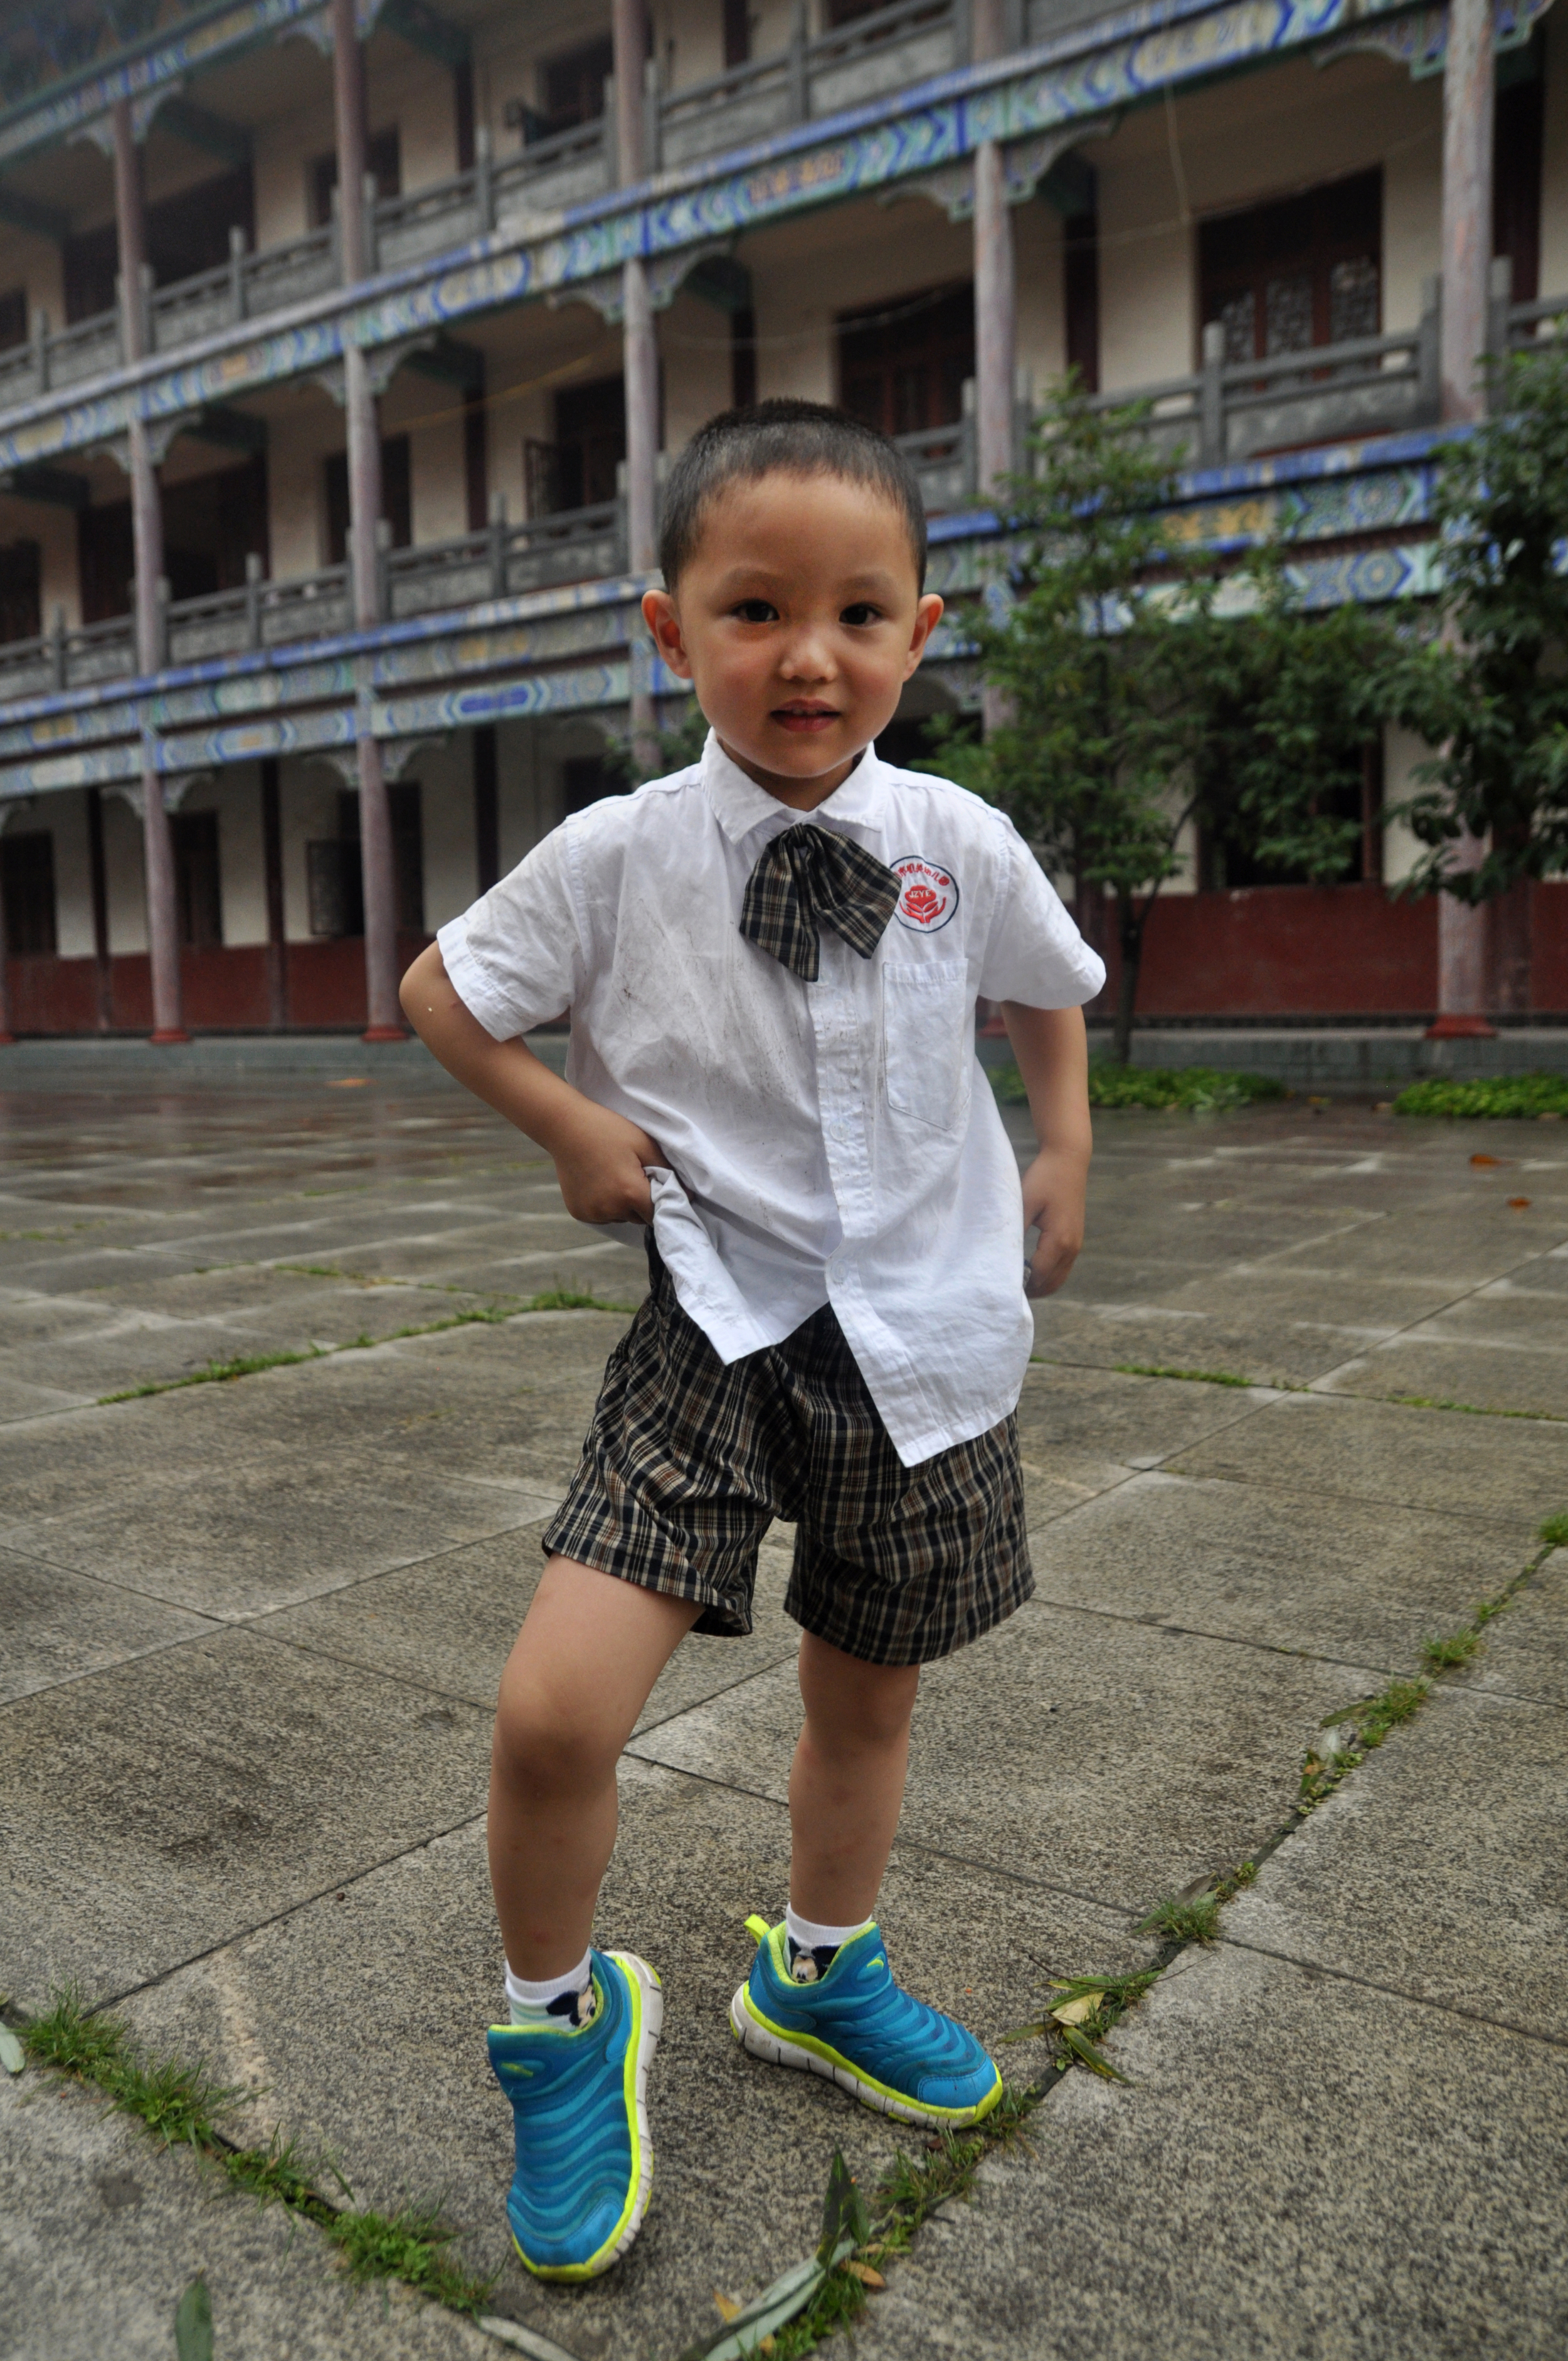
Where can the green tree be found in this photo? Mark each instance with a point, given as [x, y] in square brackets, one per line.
[1144, 687]
[1491, 690]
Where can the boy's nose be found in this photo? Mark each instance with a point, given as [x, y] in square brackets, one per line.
[808, 658]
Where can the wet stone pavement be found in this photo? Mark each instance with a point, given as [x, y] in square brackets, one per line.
[252, 1632]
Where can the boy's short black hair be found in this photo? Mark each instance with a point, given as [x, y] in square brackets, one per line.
[788, 437]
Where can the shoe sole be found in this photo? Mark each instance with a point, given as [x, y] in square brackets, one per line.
[766, 2042]
[650, 2023]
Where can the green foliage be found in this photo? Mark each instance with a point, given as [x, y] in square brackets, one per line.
[1509, 1095]
[656, 754]
[1443, 1655]
[1554, 1533]
[1191, 1376]
[1200, 1090]
[1144, 688]
[1492, 690]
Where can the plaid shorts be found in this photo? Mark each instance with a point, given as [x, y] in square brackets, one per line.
[687, 1462]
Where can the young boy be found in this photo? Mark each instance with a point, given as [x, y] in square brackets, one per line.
[771, 961]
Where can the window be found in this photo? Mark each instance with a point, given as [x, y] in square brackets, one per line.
[27, 884]
[397, 497]
[197, 897]
[383, 161]
[1305, 271]
[13, 319]
[571, 89]
[20, 612]
[210, 524]
[578, 469]
[333, 873]
[902, 363]
[587, 779]
[737, 32]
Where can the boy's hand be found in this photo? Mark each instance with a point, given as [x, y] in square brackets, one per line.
[599, 1159]
[1054, 1188]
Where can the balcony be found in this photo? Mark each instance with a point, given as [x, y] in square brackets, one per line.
[1231, 411]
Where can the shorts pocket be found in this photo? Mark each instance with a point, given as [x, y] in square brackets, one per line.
[926, 1016]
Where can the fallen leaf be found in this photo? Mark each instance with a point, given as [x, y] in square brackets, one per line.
[729, 2306]
[11, 2053]
[1485, 1159]
[864, 2273]
[1073, 2012]
[768, 2344]
[193, 2323]
[1518, 1203]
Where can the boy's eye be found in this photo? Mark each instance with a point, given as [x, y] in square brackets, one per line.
[755, 610]
[862, 612]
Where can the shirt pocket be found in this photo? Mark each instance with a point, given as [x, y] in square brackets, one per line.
[926, 1016]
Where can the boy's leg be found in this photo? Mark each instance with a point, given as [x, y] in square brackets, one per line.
[590, 1652]
[846, 1783]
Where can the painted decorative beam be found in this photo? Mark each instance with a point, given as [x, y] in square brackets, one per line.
[214, 134]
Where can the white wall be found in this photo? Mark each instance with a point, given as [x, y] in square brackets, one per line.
[66, 817]
[1554, 165]
[123, 863]
[445, 776]
[694, 341]
[1402, 753]
[307, 794]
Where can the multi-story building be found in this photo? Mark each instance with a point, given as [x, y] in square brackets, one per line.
[342, 343]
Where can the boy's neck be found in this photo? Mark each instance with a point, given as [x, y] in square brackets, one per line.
[800, 794]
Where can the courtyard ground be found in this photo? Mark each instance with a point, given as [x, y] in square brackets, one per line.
[252, 1626]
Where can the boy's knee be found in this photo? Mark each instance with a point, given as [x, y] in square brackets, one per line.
[851, 1706]
[545, 1750]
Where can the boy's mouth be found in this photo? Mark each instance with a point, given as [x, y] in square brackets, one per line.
[805, 714]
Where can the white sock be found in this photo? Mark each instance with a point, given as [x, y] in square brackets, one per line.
[811, 1946]
[558, 1998]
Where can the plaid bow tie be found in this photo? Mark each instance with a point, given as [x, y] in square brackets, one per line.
[807, 879]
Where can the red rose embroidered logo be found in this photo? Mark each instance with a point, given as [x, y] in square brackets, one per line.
[930, 893]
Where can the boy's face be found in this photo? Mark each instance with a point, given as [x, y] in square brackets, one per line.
[798, 619]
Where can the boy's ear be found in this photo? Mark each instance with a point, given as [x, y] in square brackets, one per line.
[928, 615]
[663, 619]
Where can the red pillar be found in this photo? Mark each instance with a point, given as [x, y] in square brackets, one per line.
[1461, 928]
[364, 514]
[147, 537]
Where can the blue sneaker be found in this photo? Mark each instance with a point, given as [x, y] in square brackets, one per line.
[585, 2162]
[854, 2026]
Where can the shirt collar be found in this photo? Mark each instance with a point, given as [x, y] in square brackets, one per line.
[741, 804]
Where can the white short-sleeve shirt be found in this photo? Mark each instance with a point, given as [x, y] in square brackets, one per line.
[826, 1142]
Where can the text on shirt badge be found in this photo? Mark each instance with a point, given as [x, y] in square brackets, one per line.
[929, 895]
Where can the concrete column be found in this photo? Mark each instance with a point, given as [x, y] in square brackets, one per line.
[146, 541]
[272, 872]
[364, 514]
[995, 282]
[1467, 103]
[98, 875]
[640, 349]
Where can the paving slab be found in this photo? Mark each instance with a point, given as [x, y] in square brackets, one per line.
[408, 2108]
[1442, 1462]
[1340, 1578]
[55, 1625]
[1477, 1784]
[1475, 1373]
[449, 1623]
[1527, 1649]
[1300, 2170]
[102, 2231]
[195, 1793]
[1104, 1759]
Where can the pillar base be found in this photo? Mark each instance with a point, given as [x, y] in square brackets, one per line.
[384, 1033]
[166, 1039]
[1461, 1028]
[6, 1040]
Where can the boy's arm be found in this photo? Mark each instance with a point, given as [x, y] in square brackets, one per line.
[598, 1155]
[1052, 1051]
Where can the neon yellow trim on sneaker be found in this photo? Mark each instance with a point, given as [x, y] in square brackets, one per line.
[833, 2058]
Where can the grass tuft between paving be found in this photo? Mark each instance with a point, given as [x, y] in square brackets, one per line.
[179, 2105]
[250, 1365]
